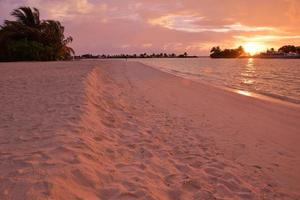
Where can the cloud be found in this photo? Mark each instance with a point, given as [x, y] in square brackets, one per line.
[266, 38]
[244, 28]
[192, 23]
[57, 9]
[177, 22]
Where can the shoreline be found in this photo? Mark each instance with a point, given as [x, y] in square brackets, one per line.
[117, 130]
[254, 94]
[250, 94]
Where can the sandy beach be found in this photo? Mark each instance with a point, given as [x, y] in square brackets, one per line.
[117, 130]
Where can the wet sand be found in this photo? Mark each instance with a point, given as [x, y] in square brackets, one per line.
[124, 130]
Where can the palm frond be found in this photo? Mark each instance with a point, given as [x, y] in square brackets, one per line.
[27, 16]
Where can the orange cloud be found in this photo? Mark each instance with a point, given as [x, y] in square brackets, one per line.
[192, 23]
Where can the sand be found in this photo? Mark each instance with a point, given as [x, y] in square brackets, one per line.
[123, 130]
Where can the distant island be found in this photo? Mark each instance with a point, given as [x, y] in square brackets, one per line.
[143, 55]
[287, 51]
[217, 52]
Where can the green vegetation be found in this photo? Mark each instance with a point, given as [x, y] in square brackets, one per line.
[31, 39]
[217, 52]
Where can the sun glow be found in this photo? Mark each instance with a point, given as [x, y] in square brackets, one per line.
[253, 48]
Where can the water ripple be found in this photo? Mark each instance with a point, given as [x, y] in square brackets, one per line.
[278, 78]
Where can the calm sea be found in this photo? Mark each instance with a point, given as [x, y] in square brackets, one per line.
[278, 78]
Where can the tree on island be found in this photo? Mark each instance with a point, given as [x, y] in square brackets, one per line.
[217, 52]
[289, 49]
[30, 38]
[184, 55]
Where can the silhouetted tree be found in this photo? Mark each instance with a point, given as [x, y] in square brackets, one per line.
[288, 49]
[53, 34]
[30, 38]
[240, 50]
[216, 52]
[143, 55]
[27, 16]
[215, 49]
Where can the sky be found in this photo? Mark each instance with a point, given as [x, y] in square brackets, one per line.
[193, 26]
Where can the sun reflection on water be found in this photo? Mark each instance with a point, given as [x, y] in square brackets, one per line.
[245, 93]
[248, 75]
[249, 72]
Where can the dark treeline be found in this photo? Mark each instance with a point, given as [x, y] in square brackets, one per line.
[217, 52]
[289, 49]
[286, 51]
[143, 55]
[29, 38]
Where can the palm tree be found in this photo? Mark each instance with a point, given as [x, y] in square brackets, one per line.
[27, 16]
[240, 50]
[53, 34]
[26, 25]
[30, 38]
[215, 50]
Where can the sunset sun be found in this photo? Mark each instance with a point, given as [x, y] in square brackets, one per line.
[253, 47]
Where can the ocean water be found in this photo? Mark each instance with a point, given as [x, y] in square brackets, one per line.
[277, 78]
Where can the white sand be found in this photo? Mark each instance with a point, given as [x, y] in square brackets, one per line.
[122, 130]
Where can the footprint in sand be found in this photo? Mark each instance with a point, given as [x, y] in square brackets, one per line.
[227, 185]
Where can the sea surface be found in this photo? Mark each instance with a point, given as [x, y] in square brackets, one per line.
[277, 78]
